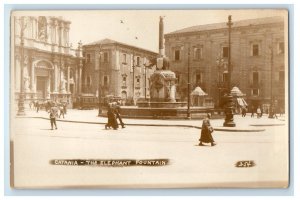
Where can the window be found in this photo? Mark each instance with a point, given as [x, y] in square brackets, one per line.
[88, 58]
[124, 81]
[225, 52]
[137, 60]
[255, 78]
[255, 50]
[124, 58]
[138, 82]
[198, 53]
[105, 80]
[177, 54]
[105, 58]
[255, 92]
[124, 95]
[225, 77]
[281, 48]
[198, 78]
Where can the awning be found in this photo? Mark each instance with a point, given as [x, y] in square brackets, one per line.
[236, 92]
[241, 102]
[198, 92]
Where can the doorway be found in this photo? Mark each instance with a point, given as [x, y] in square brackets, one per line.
[41, 87]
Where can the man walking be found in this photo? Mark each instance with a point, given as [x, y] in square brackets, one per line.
[117, 112]
[61, 111]
[37, 105]
[53, 115]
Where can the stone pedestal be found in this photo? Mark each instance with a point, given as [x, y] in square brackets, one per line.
[162, 86]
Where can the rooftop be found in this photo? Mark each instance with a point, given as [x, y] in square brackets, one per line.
[241, 23]
[109, 41]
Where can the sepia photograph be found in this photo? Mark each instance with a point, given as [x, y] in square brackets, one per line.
[149, 99]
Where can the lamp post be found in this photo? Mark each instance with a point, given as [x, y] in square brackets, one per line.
[189, 87]
[99, 86]
[21, 110]
[229, 121]
[133, 77]
[145, 82]
[271, 110]
[220, 63]
[146, 67]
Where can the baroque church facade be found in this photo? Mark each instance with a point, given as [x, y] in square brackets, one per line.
[51, 66]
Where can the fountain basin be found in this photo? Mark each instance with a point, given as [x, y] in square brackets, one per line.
[161, 104]
[163, 113]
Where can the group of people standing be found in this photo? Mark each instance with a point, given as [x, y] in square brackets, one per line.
[259, 111]
[113, 113]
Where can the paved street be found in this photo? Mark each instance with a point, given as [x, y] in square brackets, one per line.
[190, 165]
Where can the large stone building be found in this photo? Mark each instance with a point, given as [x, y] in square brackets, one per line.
[122, 68]
[257, 49]
[51, 67]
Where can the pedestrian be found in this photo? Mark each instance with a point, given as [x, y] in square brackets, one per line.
[64, 107]
[111, 119]
[117, 113]
[30, 104]
[280, 111]
[258, 112]
[61, 111]
[53, 115]
[206, 132]
[37, 105]
[244, 111]
[252, 111]
[48, 105]
[274, 112]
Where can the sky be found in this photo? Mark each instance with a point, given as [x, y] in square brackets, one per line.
[140, 27]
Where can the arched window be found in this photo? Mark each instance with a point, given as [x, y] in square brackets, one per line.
[124, 95]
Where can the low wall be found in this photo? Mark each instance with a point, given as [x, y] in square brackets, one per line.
[166, 113]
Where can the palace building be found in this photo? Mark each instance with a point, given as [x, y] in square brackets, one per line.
[118, 69]
[258, 59]
[51, 66]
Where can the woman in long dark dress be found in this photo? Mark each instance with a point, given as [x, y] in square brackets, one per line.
[206, 131]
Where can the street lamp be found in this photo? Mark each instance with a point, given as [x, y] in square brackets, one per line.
[146, 68]
[99, 85]
[21, 110]
[228, 98]
[133, 77]
[271, 110]
[189, 87]
[220, 65]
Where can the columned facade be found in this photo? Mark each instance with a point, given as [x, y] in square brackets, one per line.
[50, 63]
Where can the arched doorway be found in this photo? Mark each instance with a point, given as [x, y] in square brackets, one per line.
[43, 75]
[124, 95]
